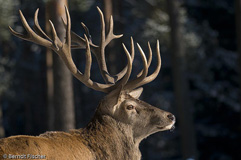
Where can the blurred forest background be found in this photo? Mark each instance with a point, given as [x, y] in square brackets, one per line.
[199, 81]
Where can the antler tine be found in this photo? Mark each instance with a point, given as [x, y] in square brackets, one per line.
[37, 27]
[101, 54]
[68, 31]
[135, 82]
[102, 39]
[111, 35]
[149, 59]
[123, 72]
[86, 31]
[55, 37]
[88, 59]
[153, 76]
[129, 67]
[19, 35]
[145, 70]
[150, 55]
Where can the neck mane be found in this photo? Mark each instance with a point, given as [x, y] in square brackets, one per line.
[109, 139]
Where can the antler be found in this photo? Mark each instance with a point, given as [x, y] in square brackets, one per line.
[63, 49]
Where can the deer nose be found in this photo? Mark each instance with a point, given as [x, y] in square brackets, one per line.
[171, 117]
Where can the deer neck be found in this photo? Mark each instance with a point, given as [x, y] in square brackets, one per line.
[110, 139]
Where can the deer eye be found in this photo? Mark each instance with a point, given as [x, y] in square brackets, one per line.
[130, 107]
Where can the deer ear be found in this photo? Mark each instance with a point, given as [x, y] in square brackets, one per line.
[136, 93]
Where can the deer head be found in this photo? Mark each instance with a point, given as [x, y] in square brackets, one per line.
[125, 107]
[121, 103]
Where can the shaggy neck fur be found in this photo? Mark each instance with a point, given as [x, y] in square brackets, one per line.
[108, 139]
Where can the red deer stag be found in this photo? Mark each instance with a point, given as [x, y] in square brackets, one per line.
[121, 120]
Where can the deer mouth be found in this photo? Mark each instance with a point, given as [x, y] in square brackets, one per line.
[161, 128]
[170, 127]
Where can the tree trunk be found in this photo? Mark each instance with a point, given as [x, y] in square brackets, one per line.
[50, 87]
[64, 117]
[108, 11]
[238, 30]
[181, 88]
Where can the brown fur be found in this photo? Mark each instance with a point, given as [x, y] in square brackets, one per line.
[102, 139]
